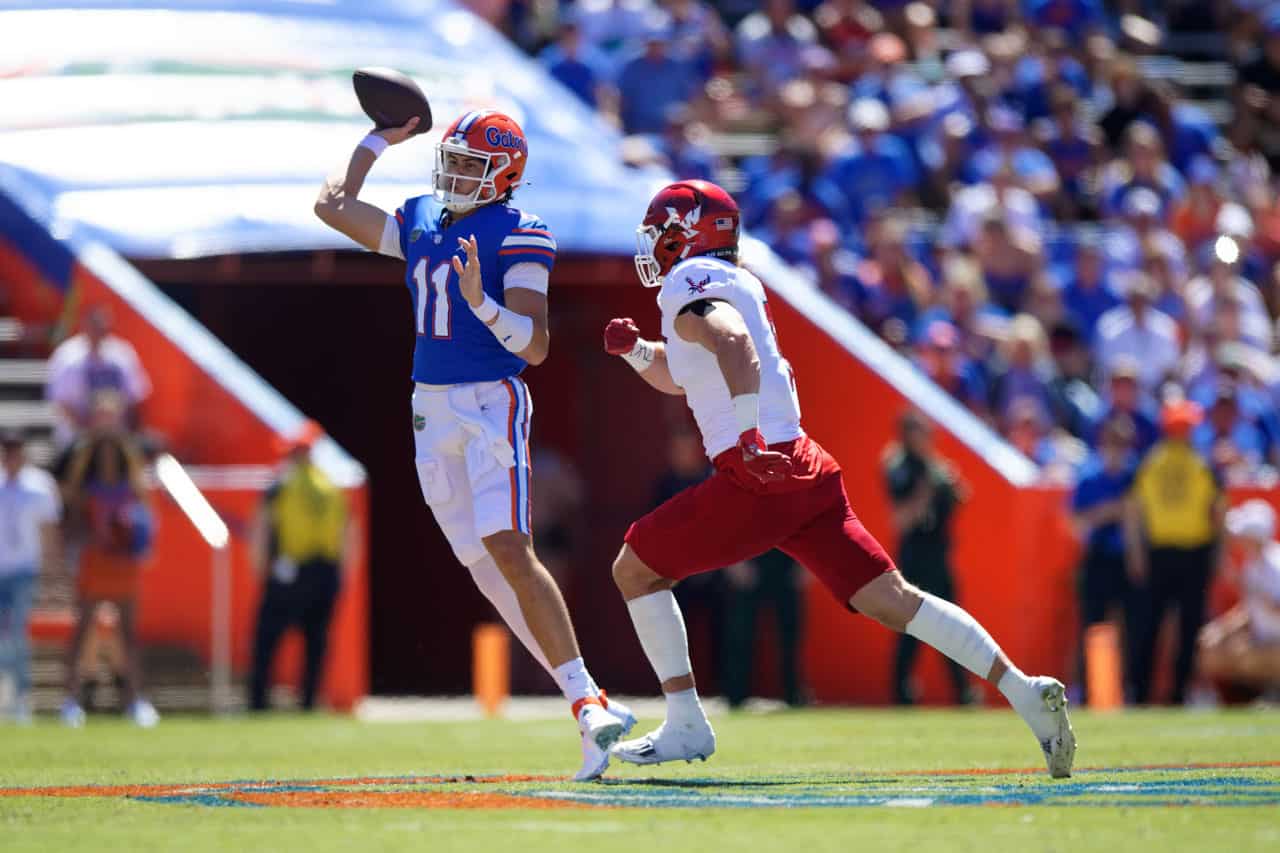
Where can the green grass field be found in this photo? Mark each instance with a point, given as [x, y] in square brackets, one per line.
[803, 780]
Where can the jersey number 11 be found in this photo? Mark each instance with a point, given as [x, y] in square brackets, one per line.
[435, 290]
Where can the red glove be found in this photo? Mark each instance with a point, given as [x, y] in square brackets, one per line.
[767, 466]
[620, 336]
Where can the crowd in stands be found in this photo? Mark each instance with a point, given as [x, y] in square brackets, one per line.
[998, 188]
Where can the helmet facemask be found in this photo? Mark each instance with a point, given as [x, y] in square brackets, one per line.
[445, 183]
[649, 239]
[647, 266]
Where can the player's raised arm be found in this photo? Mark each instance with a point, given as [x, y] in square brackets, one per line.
[719, 328]
[647, 358]
[339, 205]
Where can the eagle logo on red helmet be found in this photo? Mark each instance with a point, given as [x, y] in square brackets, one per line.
[684, 220]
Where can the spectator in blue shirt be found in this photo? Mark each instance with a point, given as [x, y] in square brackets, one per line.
[939, 357]
[1097, 508]
[796, 165]
[983, 17]
[1144, 165]
[1124, 398]
[834, 268]
[698, 35]
[651, 84]
[879, 170]
[777, 44]
[685, 149]
[1026, 367]
[1233, 444]
[1039, 72]
[574, 64]
[1077, 17]
[1073, 144]
[786, 230]
[1086, 293]
[1034, 169]
[1126, 240]
[1237, 365]
[1076, 404]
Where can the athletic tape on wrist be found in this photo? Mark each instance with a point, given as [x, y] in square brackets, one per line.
[486, 310]
[375, 144]
[641, 355]
[514, 331]
[746, 410]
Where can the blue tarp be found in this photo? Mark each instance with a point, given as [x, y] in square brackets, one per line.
[200, 128]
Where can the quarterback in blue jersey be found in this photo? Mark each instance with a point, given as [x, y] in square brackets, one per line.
[477, 270]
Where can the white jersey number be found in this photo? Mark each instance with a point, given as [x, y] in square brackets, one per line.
[435, 290]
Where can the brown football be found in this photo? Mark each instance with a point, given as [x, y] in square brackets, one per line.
[391, 98]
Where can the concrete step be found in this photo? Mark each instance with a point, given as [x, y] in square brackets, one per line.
[26, 414]
[23, 371]
[11, 330]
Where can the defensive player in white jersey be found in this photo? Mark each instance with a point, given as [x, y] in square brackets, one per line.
[773, 486]
[477, 270]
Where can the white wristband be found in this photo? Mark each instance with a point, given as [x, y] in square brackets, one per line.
[375, 143]
[641, 355]
[514, 331]
[746, 409]
[486, 310]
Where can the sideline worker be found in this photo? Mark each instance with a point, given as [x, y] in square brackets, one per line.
[299, 541]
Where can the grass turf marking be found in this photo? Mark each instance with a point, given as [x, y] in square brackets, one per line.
[1224, 784]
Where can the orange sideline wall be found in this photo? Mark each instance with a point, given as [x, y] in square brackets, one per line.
[206, 425]
[177, 589]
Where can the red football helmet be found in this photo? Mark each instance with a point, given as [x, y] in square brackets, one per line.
[483, 135]
[685, 219]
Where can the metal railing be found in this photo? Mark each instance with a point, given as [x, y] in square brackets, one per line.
[187, 495]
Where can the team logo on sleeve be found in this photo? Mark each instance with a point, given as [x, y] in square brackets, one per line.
[698, 286]
[419, 423]
[414, 235]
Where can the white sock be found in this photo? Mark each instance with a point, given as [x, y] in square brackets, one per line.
[1021, 691]
[490, 581]
[684, 709]
[660, 628]
[955, 633]
[574, 681]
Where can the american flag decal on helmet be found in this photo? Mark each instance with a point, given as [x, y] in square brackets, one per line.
[724, 223]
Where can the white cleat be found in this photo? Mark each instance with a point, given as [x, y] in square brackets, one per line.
[71, 714]
[1053, 729]
[600, 731]
[622, 712]
[670, 743]
[142, 714]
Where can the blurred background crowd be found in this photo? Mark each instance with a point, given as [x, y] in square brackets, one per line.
[1022, 196]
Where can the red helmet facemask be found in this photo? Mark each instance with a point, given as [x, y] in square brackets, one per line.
[685, 219]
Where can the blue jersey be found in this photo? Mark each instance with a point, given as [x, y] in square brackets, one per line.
[452, 345]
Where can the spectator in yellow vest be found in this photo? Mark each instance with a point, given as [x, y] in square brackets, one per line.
[300, 539]
[1173, 518]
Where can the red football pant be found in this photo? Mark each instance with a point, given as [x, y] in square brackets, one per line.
[731, 516]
